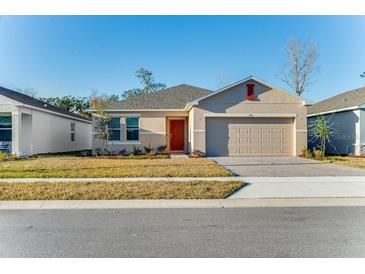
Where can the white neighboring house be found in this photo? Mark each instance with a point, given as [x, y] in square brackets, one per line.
[347, 112]
[29, 126]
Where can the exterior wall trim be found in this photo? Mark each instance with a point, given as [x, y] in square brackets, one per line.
[138, 110]
[253, 115]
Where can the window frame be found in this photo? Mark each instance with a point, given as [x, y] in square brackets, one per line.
[132, 128]
[6, 145]
[73, 132]
[111, 129]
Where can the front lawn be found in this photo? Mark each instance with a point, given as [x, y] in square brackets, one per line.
[351, 161]
[92, 167]
[117, 190]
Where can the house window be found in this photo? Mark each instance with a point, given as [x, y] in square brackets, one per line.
[132, 126]
[73, 126]
[5, 134]
[114, 127]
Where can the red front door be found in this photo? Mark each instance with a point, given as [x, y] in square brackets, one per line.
[176, 134]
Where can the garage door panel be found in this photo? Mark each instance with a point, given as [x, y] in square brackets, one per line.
[249, 136]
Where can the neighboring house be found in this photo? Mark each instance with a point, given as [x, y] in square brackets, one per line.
[347, 112]
[247, 118]
[29, 126]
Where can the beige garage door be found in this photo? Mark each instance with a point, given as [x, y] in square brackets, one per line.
[249, 136]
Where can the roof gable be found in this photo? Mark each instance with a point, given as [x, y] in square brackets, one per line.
[175, 98]
[349, 99]
[33, 102]
[247, 80]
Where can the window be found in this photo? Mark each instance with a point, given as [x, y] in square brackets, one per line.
[132, 125]
[5, 134]
[114, 127]
[73, 126]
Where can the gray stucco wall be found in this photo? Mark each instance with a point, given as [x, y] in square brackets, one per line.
[345, 141]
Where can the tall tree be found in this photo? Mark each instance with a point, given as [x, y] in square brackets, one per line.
[300, 69]
[77, 105]
[149, 85]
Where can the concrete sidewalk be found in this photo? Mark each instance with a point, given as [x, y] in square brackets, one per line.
[233, 203]
[301, 187]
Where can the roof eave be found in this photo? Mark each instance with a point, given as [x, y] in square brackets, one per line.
[336, 110]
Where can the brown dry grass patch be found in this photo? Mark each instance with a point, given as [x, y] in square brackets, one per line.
[351, 161]
[92, 167]
[117, 190]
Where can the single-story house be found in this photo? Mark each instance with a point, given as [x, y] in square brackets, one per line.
[29, 126]
[347, 113]
[247, 118]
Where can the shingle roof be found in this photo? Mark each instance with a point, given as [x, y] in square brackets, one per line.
[31, 101]
[347, 99]
[170, 98]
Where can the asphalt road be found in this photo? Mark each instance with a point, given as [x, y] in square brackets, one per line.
[235, 232]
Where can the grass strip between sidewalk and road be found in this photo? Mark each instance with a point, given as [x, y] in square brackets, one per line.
[118, 190]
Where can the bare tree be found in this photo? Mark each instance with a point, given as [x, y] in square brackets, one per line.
[300, 69]
[222, 80]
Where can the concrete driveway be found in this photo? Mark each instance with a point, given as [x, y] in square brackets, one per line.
[293, 177]
[284, 167]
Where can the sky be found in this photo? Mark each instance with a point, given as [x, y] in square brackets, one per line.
[62, 55]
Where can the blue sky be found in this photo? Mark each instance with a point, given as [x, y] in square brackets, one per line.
[61, 55]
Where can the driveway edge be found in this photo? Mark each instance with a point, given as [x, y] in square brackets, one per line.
[144, 204]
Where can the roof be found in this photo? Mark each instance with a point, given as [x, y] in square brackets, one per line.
[31, 101]
[350, 99]
[170, 98]
[253, 78]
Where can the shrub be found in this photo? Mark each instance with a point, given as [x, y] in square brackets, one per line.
[197, 154]
[161, 148]
[136, 150]
[148, 148]
[151, 154]
[2, 155]
[122, 152]
[306, 152]
[317, 153]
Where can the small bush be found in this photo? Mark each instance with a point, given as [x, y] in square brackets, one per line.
[148, 148]
[7, 157]
[136, 150]
[317, 153]
[162, 149]
[151, 154]
[306, 152]
[197, 154]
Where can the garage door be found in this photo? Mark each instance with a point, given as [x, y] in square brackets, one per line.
[249, 136]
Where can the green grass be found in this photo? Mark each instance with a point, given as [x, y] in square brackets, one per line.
[93, 167]
[117, 190]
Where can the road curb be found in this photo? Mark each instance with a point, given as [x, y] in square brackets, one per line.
[145, 204]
